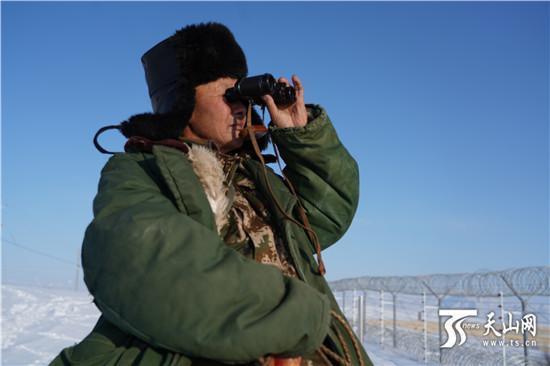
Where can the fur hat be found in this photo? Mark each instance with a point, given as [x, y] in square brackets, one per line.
[194, 55]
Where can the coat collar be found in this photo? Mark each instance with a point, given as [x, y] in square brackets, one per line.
[177, 170]
[184, 184]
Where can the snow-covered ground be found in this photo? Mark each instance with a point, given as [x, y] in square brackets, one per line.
[38, 322]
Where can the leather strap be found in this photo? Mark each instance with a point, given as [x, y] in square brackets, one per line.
[303, 216]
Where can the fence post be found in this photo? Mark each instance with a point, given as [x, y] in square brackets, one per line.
[361, 318]
[501, 295]
[344, 302]
[381, 318]
[365, 324]
[439, 330]
[440, 337]
[425, 321]
[394, 298]
[523, 313]
[523, 308]
[354, 309]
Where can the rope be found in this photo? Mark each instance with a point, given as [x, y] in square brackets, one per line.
[323, 357]
[356, 347]
[325, 351]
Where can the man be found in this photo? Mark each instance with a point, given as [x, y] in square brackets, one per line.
[198, 254]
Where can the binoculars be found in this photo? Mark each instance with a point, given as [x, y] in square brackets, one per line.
[251, 89]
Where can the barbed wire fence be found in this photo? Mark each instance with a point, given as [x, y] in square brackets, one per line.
[401, 315]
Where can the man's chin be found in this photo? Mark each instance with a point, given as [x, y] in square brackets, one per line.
[235, 144]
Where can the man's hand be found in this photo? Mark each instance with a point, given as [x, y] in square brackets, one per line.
[294, 115]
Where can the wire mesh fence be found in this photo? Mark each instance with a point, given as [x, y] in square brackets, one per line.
[511, 325]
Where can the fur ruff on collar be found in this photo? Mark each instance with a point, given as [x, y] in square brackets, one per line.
[210, 172]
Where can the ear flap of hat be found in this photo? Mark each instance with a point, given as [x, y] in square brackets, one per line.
[154, 127]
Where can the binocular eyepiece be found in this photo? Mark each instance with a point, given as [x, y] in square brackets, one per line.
[251, 89]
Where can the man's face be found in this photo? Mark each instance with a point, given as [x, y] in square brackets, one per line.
[214, 119]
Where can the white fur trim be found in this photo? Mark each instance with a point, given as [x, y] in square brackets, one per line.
[212, 177]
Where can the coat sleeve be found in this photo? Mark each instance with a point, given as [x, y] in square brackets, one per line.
[325, 175]
[170, 281]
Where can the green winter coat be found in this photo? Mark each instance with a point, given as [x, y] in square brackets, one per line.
[169, 289]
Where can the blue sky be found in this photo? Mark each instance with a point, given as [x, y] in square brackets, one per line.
[445, 106]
